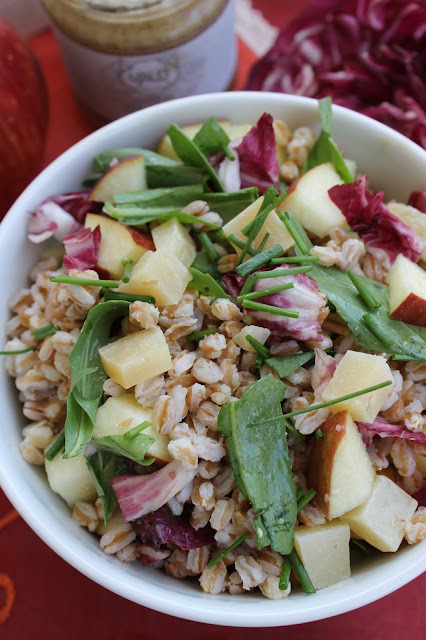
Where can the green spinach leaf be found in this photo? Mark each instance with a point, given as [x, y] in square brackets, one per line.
[103, 466]
[87, 374]
[212, 139]
[206, 284]
[191, 155]
[261, 462]
[229, 205]
[286, 365]
[325, 149]
[134, 448]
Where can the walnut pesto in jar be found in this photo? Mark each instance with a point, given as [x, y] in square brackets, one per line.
[123, 55]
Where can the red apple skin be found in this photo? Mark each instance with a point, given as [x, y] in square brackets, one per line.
[23, 115]
[321, 458]
[412, 310]
[293, 186]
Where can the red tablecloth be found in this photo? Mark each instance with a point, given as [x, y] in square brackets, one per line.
[43, 597]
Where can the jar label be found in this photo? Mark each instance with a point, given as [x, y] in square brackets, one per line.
[114, 85]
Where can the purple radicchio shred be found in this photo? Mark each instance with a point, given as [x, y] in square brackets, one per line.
[162, 527]
[377, 226]
[417, 200]
[384, 429]
[82, 249]
[420, 496]
[258, 156]
[367, 55]
[77, 204]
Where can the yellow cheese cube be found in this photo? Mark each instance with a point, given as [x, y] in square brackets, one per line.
[158, 274]
[122, 413]
[357, 371]
[382, 519]
[272, 225]
[324, 552]
[172, 238]
[136, 357]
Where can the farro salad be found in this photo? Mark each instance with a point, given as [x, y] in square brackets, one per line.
[222, 357]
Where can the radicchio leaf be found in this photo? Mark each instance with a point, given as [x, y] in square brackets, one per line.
[77, 204]
[378, 227]
[384, 429]
[162, 527]
[50, 220]
[417, 200]
[81, 249]
[420, 496]
[258, 156]
[366, 55]
[138, 495]
[304, 298]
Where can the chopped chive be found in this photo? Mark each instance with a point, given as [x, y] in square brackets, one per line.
[258, 260]
[45, 332]
[269, 203]
[17, 352]
[233, 239]
[231, 547]
[264, 241]
[128, 266]
[258, 362]
[268, 308]
[248, 286]
[297, 436]
[302, 574]
[299, 493]
[368, 298]
[284, 216]
[208, 246]
[265, 292]
[246, 230]
[260, 348]
[378, 331]
[285, 575]
[319, 434]
[128, 297]
[361, 544]
[303, 501]
[56, 447]
[136, 430]
[201, 334]
[85, 281]
[294, 259]
[277, 273]
[402, 358]
[355, 394]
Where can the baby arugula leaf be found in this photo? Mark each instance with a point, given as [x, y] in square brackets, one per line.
[206, 284]
[229, 205]
[286, 365]
[325, 149]
[134, 448]
[212, 139]
[87, 374]
[261, 462]
[102, 161]
[103, 466]
[191, 155]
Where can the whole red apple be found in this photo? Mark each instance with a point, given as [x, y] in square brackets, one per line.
[23, 115]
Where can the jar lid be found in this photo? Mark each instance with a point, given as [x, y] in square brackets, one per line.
[133, 26]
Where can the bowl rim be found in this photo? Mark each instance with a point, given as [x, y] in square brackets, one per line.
[205, 608]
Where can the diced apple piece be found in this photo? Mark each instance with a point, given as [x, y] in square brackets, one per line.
[258, 333]
[382, 519]
[324, 552]
[115, 520]
[407, 292]
[273, 225]
[71, 478]
[136, 357]
[117, 242]
[172, 238]
[357, 371]
[310, 203]
[413, 218]
[158, 274]
[339, 467]
[126, 176]
[165, 148]
[122, 413]
[421, 464]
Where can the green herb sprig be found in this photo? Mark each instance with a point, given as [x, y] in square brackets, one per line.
[228, 550]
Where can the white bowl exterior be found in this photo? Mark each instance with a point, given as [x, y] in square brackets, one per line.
[385, 156]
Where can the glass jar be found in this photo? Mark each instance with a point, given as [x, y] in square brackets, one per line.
[123, 55]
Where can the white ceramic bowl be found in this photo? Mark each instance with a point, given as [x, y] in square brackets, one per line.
[393, 164]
